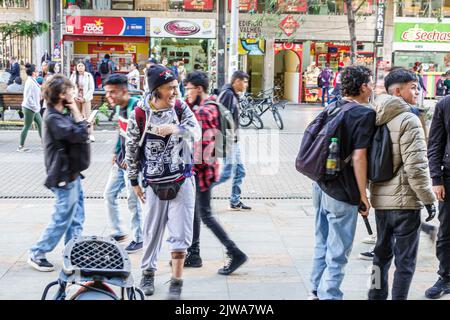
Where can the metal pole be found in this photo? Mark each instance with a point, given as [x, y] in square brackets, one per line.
[221, 49]
[233, 57]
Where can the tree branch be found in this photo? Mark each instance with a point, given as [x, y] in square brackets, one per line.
[359, 7]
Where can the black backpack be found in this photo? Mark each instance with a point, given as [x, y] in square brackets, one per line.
[104, 67]
[381, 159]
[312, 156]
[224, 142]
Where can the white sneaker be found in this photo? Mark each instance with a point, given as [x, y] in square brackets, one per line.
[22, 149]
[370, 239]
[92, 138]
[312, 296]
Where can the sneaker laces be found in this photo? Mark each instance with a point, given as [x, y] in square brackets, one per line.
[148, 280]
[229, 261]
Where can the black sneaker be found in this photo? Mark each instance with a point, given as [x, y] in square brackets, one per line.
[313, 295]
[148, 282]
[193, 260]
[175, 289]
[120, 238]
[237, 259]
[240, 206]
[441, 287]
[41, 264]
[366, 255]
[134, 247]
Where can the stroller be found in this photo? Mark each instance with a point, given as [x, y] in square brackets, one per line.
[91, 263]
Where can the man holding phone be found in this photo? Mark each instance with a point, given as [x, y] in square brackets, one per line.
[116, 89]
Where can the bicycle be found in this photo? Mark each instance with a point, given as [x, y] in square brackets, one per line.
[267, 103]
[90, 263]
[248, 113]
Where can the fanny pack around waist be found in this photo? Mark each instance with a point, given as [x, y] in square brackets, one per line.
[167, 191]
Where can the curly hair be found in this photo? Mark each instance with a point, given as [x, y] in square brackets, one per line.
[57, 85]
[353, 77]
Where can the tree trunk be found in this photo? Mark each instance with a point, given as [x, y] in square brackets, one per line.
[352, 28]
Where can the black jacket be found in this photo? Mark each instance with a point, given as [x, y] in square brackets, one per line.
[14, 71]
[230, 100]
[439, 142]
[441, 89]
[59, 133]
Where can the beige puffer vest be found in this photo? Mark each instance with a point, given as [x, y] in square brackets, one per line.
[411, 186]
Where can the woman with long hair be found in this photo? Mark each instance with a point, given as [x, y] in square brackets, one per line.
[31, 105]
[84, 92]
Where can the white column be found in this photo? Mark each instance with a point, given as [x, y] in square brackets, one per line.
[41, 12]
[233, 58]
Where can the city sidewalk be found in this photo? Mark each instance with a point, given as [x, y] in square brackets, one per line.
[277, 235]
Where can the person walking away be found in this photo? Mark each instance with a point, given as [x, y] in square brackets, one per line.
[438, 144]
[447, 82]
[325, 78]
[16, 86]
[61, 132]
[158, 136]
[14, 70]
[233, 166]
[398, 201]
[31, 105]
[207, 172]
[337, 87]
[181, 76]
[338, 201]
[116, 93]
[105, 67]
[84, 92]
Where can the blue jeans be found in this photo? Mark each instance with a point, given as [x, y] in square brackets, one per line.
[68, 219]
[334, 234]
[327, 91]
[118, 180]
[233, 166]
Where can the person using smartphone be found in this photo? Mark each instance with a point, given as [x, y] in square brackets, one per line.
[61, 131]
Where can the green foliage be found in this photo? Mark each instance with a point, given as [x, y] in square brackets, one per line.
[23, 28]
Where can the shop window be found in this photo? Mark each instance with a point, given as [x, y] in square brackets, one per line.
[122, 4]
[446, 8]
[421, 8]
[23, 4]
[154, 5]
[194, 5]
[82, 4]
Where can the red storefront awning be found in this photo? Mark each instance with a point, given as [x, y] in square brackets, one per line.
[68, 37]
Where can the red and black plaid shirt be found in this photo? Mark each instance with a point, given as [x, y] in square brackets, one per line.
[206, 165]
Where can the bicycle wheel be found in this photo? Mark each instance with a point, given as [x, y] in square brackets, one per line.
[256, 120]
[245, 118]
[278, 119]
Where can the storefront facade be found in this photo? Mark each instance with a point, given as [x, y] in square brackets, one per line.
[426, 41]
[94, 36]
[191, 41]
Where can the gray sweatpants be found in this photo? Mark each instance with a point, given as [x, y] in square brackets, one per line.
[177, 214]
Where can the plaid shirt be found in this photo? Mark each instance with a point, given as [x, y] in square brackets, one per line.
[206, 165]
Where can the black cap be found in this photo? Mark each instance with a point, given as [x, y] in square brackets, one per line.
[158, 75]
[152, 60]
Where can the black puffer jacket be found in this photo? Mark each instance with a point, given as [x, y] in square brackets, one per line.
[439, 142]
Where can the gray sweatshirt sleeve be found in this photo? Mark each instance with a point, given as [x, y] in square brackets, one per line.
[132, 149]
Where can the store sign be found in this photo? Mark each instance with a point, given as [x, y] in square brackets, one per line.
[105, 26]
[379, 30]
[198, 5]
[250, 29]
[289, 25]
[183, 28]
[293, 6]
[245, 5]
[422, 33]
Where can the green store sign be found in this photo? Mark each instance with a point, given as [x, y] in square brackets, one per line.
[422, 32]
